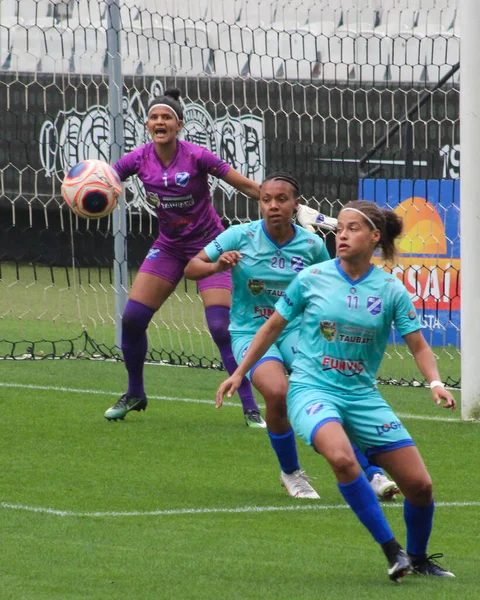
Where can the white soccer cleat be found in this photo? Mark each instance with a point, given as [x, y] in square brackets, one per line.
[297, 485]
[384, 488]
[311, 219]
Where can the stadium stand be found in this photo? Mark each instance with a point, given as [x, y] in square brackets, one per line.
[301, 39]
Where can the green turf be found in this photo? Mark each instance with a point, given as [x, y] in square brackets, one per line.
[58, 452]
[39, 305]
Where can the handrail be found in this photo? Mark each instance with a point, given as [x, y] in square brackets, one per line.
[364, 174]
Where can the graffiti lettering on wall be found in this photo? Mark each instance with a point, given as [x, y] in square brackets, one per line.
[73, 136]
[239, 141]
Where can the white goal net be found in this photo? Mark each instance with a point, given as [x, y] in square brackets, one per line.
[341, 93]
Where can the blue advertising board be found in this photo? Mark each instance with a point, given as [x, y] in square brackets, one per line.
[429, 251]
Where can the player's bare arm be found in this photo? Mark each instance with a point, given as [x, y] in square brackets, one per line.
[427, 365]
[200, 266]
[242, 184]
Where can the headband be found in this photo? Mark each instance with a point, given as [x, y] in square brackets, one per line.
[164, 106]
[363, 215]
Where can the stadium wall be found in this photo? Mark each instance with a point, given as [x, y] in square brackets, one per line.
[319, 133]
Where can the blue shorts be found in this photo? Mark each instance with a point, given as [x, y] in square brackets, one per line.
[283, 351]
[368, 420]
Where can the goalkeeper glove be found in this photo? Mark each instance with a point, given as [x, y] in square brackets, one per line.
[311, 219]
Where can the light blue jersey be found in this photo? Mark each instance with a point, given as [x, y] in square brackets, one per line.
[265, 270]
[345, 326]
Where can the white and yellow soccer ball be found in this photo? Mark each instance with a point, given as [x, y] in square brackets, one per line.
[91, 189]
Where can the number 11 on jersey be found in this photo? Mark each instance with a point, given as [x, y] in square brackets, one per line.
[352, 301]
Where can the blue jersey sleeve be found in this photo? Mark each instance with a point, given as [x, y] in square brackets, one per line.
[292, 303]
[227, 240]
[405, 316]
[321, 251]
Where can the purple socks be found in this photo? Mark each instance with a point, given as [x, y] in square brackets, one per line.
[135, 320]
[218, 320]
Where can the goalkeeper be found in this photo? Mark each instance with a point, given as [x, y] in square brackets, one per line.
[175, 176]
[264, 257]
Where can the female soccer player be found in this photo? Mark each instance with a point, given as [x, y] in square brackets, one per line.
[264, 257]
[347, 308]
[175, 176]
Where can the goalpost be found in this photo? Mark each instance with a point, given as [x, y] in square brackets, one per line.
[306, 86]
[470, 213]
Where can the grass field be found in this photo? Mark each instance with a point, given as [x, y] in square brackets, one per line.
[183, 501]
[40, 305]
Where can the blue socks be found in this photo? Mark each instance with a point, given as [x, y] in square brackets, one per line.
[369, 469]
[285, 448]
[362, 500]
[419, 520]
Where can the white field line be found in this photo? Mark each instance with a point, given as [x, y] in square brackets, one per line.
[207, 511]
[192, 400]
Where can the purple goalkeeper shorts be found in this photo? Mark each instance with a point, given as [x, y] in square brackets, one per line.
[168, 261]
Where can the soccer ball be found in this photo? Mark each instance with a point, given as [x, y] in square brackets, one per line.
[91, 189]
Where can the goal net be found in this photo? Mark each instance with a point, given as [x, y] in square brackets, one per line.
[341, 93]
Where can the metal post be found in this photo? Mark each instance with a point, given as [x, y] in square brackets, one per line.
[117, 148]
[470, 206]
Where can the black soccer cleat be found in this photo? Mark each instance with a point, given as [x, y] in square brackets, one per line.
[428, 565]
[399, 564]
[125, 405]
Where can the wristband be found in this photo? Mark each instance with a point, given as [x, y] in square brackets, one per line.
[436, 384]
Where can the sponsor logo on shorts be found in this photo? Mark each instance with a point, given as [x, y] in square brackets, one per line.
[348, 368]
[328, 329]
[256, 286]
[374, 305]
[313, 409]
[387, 427]
[297, 263]
[263, 312]
[153, 253]
[244, 351]
[182, 179]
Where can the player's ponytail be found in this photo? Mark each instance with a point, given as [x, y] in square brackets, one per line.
[393, 229]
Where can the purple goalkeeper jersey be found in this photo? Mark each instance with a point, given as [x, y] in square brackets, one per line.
[179, 192]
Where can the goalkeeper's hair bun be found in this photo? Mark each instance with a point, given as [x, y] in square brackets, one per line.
[173, 93]
[280, 176]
